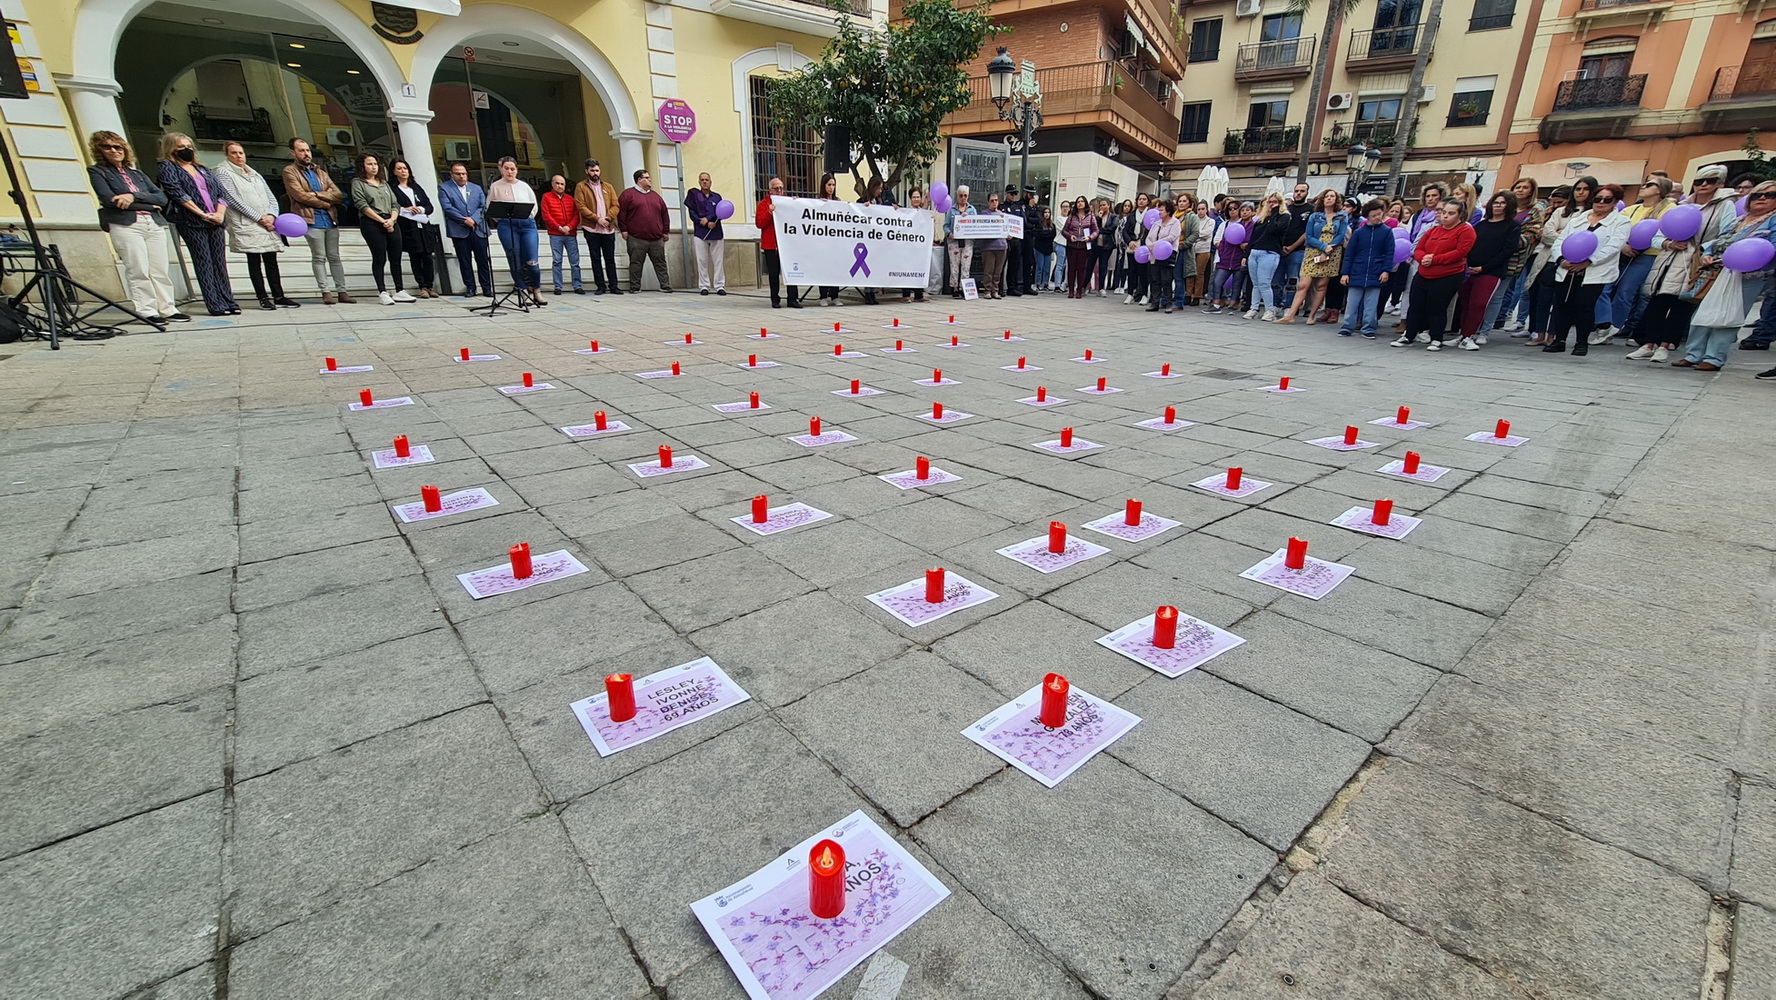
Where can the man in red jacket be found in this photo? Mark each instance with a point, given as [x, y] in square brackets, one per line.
[767, 227]
[642, 217]
[561, 217]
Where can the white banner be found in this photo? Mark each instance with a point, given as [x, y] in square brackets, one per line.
[988, 227]
[842, 243]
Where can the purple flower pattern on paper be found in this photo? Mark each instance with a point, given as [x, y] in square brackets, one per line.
[1034, 553]
[454, 503]
[783, 518]
[910, 603]
[543, 568]
[1425, 473]
[742, 407]
[1159, 424]
[1337, 444]
[949, 417]
[661, 707]
[1487, 437]
[680, 463]
[382, 403]
[825, 437]
[862, 390]
[1117, 527]
[515, 390]
[1358, 519]
[1218, 484]
[1315, 579]
[1410, 425]
[910, 479]
[591, 430]
[1079, 444]
[389, 460]
[1197, 643]
[1052, 751]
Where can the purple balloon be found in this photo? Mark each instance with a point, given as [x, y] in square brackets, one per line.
[1402, 252]
[943, 203]
[1579, 246]
[1740, 206]
[290, 224]
[939, 191]
[1681, 223]
[1235, 234]
[1162, 250]
[1150, 218]
[1641, 236]
[724, 209]
[1143, 255]
[1752, 254]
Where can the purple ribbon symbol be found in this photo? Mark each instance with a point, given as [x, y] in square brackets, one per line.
[860, 254]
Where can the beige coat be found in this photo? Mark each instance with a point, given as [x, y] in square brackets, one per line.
[249, 200]
[1671, 270]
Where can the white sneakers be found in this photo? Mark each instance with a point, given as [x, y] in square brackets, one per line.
[1128, 299]
[1252, 315]
[1602, 336]
[1467, 344]
[1435, 345]
[385, 298]
[402, 296]
[1660, 355]
[1643, 353]
[1480, 338]
[1270, 316]
[1513, 326]
[1424, 338]
[1404, 341]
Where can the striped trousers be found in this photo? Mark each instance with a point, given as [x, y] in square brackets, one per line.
[209, 262]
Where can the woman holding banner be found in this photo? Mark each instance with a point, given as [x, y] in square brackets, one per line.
[829, 191]
[961, 250]
[992, 257]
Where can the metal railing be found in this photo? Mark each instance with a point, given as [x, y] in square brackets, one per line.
[1262, 139]
[1082, 88]
[860, 7]
[1280, 56]
[1375, 133]
[1600, 92]
[1607, 4]
[1385, 43]
[1752, 79]
[1489, 22]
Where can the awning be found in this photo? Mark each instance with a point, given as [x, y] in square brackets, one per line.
[1628, 173]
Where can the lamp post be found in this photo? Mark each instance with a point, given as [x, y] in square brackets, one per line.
[1359, 163]
[1016, 105]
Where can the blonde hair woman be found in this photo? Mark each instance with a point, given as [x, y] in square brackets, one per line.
[1270, 228]
[198, 208]
[252, 213]
[132, 211]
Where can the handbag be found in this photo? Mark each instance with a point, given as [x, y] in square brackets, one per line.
[1726, 307]
[1701, 280]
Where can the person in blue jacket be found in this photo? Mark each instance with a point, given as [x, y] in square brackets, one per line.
[1368, 264]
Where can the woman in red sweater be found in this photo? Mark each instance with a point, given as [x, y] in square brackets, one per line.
[1442, 258]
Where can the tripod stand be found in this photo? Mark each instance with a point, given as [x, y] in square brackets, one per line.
[497, 212]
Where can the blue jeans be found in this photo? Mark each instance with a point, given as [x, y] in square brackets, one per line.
[1503, 301]
[1713, 343]
[1629, 299]
[571, 246]
[1287, 276]
[519, 237]
[1263, 267]
[1180, 281]
[1044, 268]
[1360, 308]
[1060, 263]
[1765, 330]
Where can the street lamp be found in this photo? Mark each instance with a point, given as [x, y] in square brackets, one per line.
[1359, 163]
[1020, 108]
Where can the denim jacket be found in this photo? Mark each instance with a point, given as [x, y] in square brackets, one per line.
[1316, 224]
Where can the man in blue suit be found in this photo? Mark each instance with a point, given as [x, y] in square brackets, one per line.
[463, 203]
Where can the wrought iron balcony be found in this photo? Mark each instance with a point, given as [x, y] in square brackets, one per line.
[1284, 57]
[1490, 22]
[1588, 5]
[1262, 139]
[1386, 44]
[1600, 93]
[230, 127]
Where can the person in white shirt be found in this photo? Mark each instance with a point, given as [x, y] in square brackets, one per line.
[518, 234]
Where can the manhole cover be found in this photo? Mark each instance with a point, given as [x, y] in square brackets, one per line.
[1225, 373]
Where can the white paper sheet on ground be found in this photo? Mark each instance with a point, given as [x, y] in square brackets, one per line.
[1425, 473]
[681, 342]
[1337, 444]
[897, 350]
[1275, 388]
[601, 350]
[862, 391]
[780, 519]
[761, 364]
[1013, 339]
[1218, 484]
[763, 336]
[348, 369]
[680, 463]
[591, 430]
[847, 354]
[909, 479]
[664, 373]
[1196, 643]
[495, 580]
[779, 951]
[1033, 552]
[1410, 425]
[1361, 519]
[930, 383]
[949, 417]
[953, 322]
[907, 602]
[1015, 368]
[1162, 374]
[459, 359]
[743, 406]
[1079, 444]
[1050, 401]
[382, 404]
[1015, 732]
[1095, 391]
[1488, 437]
[1159, 424]
[824, 437]
[1314, 580]
[1093, 360]
[513, 390]
[957, 346]
[666, 700]
[448, 504]
[1116, 526]
[387, 459]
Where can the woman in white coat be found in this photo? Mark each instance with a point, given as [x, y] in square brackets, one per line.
[1578, 283]
[252, 214]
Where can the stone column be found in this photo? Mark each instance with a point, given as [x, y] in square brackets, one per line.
[94, 100]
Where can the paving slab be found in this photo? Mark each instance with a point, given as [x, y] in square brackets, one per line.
[60, 689]
[782, 652]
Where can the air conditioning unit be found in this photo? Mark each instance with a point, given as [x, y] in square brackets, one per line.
[1340, 102]
[341, 137]
[456, 149]
[1248, 8]
[1428, 94]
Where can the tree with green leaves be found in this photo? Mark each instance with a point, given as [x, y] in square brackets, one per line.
[1336, 11]
[1760, 161]
[890, 85]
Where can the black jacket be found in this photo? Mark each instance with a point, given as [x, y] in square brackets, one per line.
[108, 184]
[401, 199]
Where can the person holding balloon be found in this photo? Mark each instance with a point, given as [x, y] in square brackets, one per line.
[1230, 259]
[1537, 307]
[1742, 256]
[1134, 235]
[1627, 297]
[251, 221]
[1590, 258]
[1674, 288]
[1157, 251]
[704, 206]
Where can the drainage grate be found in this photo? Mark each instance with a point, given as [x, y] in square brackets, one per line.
[1224, 373]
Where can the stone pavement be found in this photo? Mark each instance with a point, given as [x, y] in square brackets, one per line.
[258, 742]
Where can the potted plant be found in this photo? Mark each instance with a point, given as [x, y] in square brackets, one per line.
[1231, 145]
[1467, 108]
[1338, 140]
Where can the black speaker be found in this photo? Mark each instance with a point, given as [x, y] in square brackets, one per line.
[12, 80]
[838, 149]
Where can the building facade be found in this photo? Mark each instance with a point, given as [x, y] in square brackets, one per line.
[549, 82]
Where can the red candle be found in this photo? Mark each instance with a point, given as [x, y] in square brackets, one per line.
[838, 349]
[955, 341]
[1165, 369]
[620, 690]
[1020, 362]
[1054, 701]
[1403, 416]
[1165, 627]
[1057, 537]
[600, 421]
[1066, 437]
[1088, 355]
[1283, 383]
[922, 467]
[952, 319]
[1171, 414]
[332, 364]
[836, 328]
[1008, 335]
[429, 495]
[937, 374]
[1503, 430]
[752, 400]
[1103, 384]
[1410, 466]
[856, 386]
[675, 368]
[937, 411]
[897, 321]
[813, 426]
[594, 347]
[665, 457]
[759, 515]
[365, 398]
[687, 338]
[1350, 434]
[529, 380]
[1384, 512]
[465, 354]
[1131, 514]
[762, 332]
[826, 880]
[934, 586]
[520, 554]
[899, 345]
[1296, 556]
[1233, 477]
[1041, 393]
[752, 360]
[402, 448]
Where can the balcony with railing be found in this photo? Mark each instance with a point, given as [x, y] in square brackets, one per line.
[1750, 81]
[1275, 60]
[1600, 93]
[1382, 48]
[815, 17]
[1106, 92]
[1271, 140]
[1595, 12]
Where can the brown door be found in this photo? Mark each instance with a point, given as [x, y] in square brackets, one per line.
[1757, 75]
